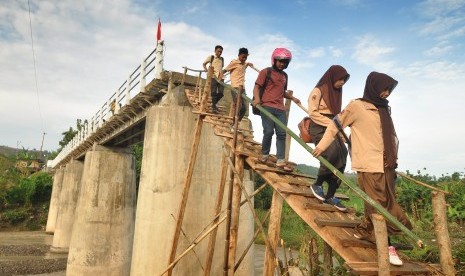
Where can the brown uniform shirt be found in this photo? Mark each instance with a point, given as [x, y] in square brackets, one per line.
[237, 73]
[217, 65]
[316, 107]
[366, 136]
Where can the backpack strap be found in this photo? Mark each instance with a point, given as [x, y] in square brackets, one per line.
[222, 61]
[267, 78]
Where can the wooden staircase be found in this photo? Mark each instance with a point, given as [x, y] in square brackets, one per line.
[336, 228]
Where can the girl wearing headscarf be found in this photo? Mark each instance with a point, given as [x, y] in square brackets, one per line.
[374, 153]
[324, 103]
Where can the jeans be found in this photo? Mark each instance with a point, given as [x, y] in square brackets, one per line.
[269, 127]
[216, 92]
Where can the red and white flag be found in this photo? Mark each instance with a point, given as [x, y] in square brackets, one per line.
[159, 31]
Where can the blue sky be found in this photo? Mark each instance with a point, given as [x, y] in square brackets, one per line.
[84, 50]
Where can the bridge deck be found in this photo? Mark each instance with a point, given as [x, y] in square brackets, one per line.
[334, 227]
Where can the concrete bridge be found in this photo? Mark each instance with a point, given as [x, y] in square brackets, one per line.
[193, 214]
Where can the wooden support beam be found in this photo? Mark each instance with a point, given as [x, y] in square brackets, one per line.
[381, 236]
[371, 268]
[219, 202]
[326, 207]
[235, 206]
[239, 261]
[313, 257]
[366, 244]
[188, 176]
[274, 230]
[337, 222]
[327, 260]
[442, 233]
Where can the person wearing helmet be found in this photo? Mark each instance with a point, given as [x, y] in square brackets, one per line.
[324, 103]
[272, 100]
[374, 153]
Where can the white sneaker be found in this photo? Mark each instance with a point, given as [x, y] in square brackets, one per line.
[393, 257]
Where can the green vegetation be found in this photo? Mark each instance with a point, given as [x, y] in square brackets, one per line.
[24, 199]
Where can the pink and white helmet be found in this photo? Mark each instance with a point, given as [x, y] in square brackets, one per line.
[280, 54]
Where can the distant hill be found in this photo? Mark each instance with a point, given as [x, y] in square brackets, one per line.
[309, 170]
[13, 152]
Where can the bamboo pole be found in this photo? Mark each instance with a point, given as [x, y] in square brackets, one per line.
[442, 233]
[249, 203]
[219, 202]
[327, 259]
[381, 237]
[314, 261]
[343, 178]
[287, 107]
[286, 264]
[194, 244]
[421, 183]
[189, 172]
[236, 200]
[274, 229]
[189, 240]
[227, 265]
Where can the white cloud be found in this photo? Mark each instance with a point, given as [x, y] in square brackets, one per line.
[439, 49]
[369, 51]
[433, 70]
[317, 52]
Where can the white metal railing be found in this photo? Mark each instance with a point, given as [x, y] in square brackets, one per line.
[120, 98]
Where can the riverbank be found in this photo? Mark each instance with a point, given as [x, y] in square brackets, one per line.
[27, 253]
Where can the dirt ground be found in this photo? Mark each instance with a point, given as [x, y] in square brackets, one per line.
[27, 253]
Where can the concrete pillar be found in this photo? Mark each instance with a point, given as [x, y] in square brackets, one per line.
[101, 241]
[167, 145]
[54, 201]
[68, 199]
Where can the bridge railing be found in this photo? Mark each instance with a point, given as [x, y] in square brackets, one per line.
[131, 87]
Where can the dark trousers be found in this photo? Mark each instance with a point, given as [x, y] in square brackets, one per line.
[243, 107]
[216, 92]
[269, 128]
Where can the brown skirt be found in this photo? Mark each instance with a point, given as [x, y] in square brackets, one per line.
[381, 188]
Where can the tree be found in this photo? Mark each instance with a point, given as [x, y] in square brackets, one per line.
[70, 133]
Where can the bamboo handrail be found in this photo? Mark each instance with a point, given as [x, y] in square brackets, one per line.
[421, 183]
[340, 175]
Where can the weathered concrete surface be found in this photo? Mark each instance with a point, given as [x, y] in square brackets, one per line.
[68, 200]
[54, 201]
[167, 147]
[101, 241]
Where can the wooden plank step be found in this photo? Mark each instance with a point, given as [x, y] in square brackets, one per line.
[308, 193]
[337, 222]
[326, 207]
[366, 244]
[371, 268]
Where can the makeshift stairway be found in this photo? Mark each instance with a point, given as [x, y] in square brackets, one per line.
[336, 228]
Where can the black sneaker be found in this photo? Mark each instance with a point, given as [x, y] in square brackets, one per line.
[215, 110]
[336, 202]
[317, 191]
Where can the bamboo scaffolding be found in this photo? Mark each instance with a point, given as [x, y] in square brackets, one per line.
[274, 229]
[189, 172]
[257, 220]
[227, 266]
[239, 261]
[287, 107]
[219, 202]
[381, 237]
[442, 233]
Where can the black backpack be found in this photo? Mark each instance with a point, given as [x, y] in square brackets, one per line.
[255, 110]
